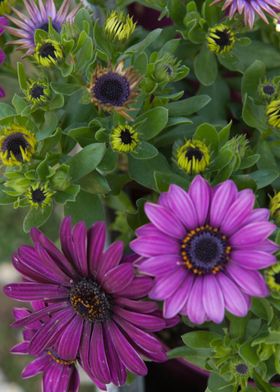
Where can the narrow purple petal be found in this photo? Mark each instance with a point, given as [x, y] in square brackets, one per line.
[110, 259]
[194, 308]
[252, 259]
[96, 242]
[74, 383]
[160, 265]
[2, 56]
[268, 246]
[182, 206]
[128, 355]
[164, 220]
[258, 214]
[148, 322]
[252, 234]
[251, 282]
[20, 313]
[79, 239]
[174, 304]
[66, 241]
[30, 291]
[155, 245]
[213, 300]
[36, 366]
[200, 192]
[167, 285]
[235, 301]
[147, 230]
[98, 358]
[21, 348]
[223, 197]
[68, 344]
[118, 278]
[139, 306]
[140, 288]
[52, 378]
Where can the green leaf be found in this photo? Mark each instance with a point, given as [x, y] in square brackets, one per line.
[199, 339]
[264, 177]
[70, 194]
[36, 218]
[144, 151]
[252, 77]
[174, 121]
[208, 134]
[188, 106]
[249, 353]
[86, 160]
[21, 76]
[84, 135]
[5, 199]
[87, 207]
[142, 45]
[224, 134]
[65, 88]
[254, 115]
[164, 180]
[152, 122]
[195, 357]
[206, 74]
[249, 161]
[217, 384]
[95, 183]
[6, 110]
[262, 308]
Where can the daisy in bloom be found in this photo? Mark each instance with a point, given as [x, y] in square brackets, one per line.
[59, 375]
[249, 8]
[38, 18]
[114, 89]
[94, 303]
[39, 195]
[204, 247]
[124, 138]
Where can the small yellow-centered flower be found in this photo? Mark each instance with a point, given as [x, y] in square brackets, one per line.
[39, 195]
[273, 113]
[38, 92]
[119, 26]
[193, 156]
[221, 39]
[48, 52]
[272, 276]
[124, 138]
[17, 145]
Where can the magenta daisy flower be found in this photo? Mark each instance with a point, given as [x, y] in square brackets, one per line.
[95, 303]
[204, 247]
[249, 8]
[38, 18]
[59, 375]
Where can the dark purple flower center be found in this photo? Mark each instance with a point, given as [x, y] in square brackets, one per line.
[89, 300]
[268, 89]
[193, 152]
[222, 38]
[126, 137]
[37, 91]
[241, 368]
[277, 278]
[14, 144]
[205, 250]
[47, 50]
[59, 360]
[38, 195]
[45, 26]
[112, 89]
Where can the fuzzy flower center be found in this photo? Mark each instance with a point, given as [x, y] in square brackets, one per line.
[277, 278]
[112, 89]
[14, 144]
[126, 137]
[268, 89]
[89, 300]
[47, 50]
[38, 195]
[194, 152]
[205, 250]
[241, 368]
[223, 38]
[37, 91]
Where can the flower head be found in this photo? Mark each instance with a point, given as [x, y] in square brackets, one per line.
[94, 303]
[17, 145]
[48, 52]
[38, 18]
[119, 26]
[193, 156]
[221, 39]
[273, 277]
[114, 89]
[268, 90]
[273, 113]
[204, 247]
[5, 6]
[38, 92]
[39, 195]
[124, 138]
[167, 68]
[250, 8]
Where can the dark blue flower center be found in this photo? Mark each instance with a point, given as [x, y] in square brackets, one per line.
[47, 50]
[194, 152]
[89, 300]
[277, 278]
[38, 195]
[37, 91]
[223, 38]
[112, 89]
[126, 136]
[268, 89]
[45, 26]
[205, 250]
[13, 144]
[241, 368]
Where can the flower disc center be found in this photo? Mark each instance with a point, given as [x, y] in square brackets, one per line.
[268, 89]
[194, 152]
[112, 89]
[223, 39]
[14, 144]
[47, 50]
[126, 137]
[38, 196]
[37, 91]
[277, 278]
[90, 301]
[205, 250]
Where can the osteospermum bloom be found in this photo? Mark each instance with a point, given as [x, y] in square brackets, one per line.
[114, 89]
[273, 113]
[38, 18]
[124, 138]
[119, 26]
[204, 247]
[221, 39]
[37, 92]
[59, 375]
[94, 302]
[193, 156]
[39, 195]
[17, 145]
[273, 277]
[250, 8]
[48, 52]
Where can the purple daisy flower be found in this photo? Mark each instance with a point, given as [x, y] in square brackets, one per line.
[38, 18]
[59, 375]
[94, 303]
[204, 247]
[250, 8]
